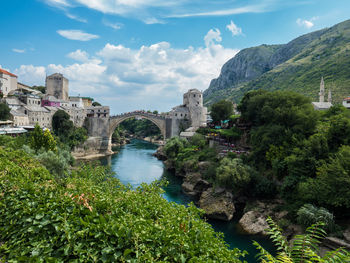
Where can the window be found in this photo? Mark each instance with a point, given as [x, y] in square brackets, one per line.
[175, 114]
[181, 114]
[194, 95]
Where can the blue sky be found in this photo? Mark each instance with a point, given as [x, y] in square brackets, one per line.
[143, 54]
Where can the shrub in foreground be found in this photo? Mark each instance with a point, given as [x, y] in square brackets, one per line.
[89, 216]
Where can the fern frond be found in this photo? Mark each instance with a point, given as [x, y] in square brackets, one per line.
[264, 256]
[337, 256]
[275, 233]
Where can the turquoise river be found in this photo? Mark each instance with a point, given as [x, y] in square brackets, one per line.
[134, 164]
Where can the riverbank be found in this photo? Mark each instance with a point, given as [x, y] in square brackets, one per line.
[91, 156]
[201, 168]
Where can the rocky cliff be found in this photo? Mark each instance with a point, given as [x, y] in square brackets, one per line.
[297, 65]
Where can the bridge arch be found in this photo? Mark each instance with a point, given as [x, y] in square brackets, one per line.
[157, 120]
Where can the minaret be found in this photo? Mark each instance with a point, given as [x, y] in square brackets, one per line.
[330, 96]
[322, 92]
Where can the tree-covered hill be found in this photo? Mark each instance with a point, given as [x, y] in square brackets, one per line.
[298, 66]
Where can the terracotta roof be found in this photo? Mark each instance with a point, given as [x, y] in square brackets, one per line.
[348, 98]
[7, 73]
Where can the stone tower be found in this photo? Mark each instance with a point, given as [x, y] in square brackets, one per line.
[330, 96]
[57, 85]
[193, 100]
[322, 91]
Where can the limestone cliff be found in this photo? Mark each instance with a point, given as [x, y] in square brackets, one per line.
[297, 65]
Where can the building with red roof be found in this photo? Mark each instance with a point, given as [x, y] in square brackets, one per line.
[8, 82]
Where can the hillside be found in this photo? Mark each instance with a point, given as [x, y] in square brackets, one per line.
[297, 65]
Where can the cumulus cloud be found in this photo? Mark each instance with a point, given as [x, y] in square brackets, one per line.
[79, 55]
[77, 35]
[31, 75]
[235, 30]
[305, 23]
[150, 77]
[18, 50]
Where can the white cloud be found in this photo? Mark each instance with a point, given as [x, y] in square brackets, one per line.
[77, 18]
[76, 35]
[18, 50]
[235, 30]
[150, 77]
[58, 3]
[115, 26]
[31, 75]
[225, 12]
[79, 55]
[156, 11]
[211, 36]
[305, 23]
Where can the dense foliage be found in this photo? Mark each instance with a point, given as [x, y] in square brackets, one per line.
[64, 128]
[4, 112]
[89, 216]
[40, 139]
[307, 152]
[142, 128]
[221, 111]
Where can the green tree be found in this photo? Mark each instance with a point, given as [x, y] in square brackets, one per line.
[42, 89]
[174, 146]
[332, 183]
[4, 112]
[233, 174]
[61, 124]
[42, 139]
[221, 110]
[64, 128]
[95, 103]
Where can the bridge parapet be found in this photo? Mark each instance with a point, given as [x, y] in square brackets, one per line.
[138, 113]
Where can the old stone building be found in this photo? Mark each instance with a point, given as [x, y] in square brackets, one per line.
[8, 82]
[57, 85]
[98, 112]
[19, 118]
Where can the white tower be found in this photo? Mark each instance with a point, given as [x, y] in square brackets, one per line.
[322, 92]
[330, 96]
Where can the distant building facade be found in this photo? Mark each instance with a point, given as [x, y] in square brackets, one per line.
[57, 86]
[346, 103]
[8, 82]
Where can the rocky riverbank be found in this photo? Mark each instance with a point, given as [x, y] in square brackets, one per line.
[219, 203]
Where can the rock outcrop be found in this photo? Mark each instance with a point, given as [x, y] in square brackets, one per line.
[254, 223]
[160, 154]
[217, 204]
[254, 219]
[194, 185]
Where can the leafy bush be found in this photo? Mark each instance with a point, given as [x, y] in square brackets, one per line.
[90, 216]
[309, 215]
[174, 146]
[233, 174]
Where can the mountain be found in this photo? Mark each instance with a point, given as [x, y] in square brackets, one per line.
[297, 65]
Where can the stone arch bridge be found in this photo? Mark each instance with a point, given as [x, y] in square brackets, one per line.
[100, 130]
[158, 120]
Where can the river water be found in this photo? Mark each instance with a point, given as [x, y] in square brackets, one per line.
[134, 164]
